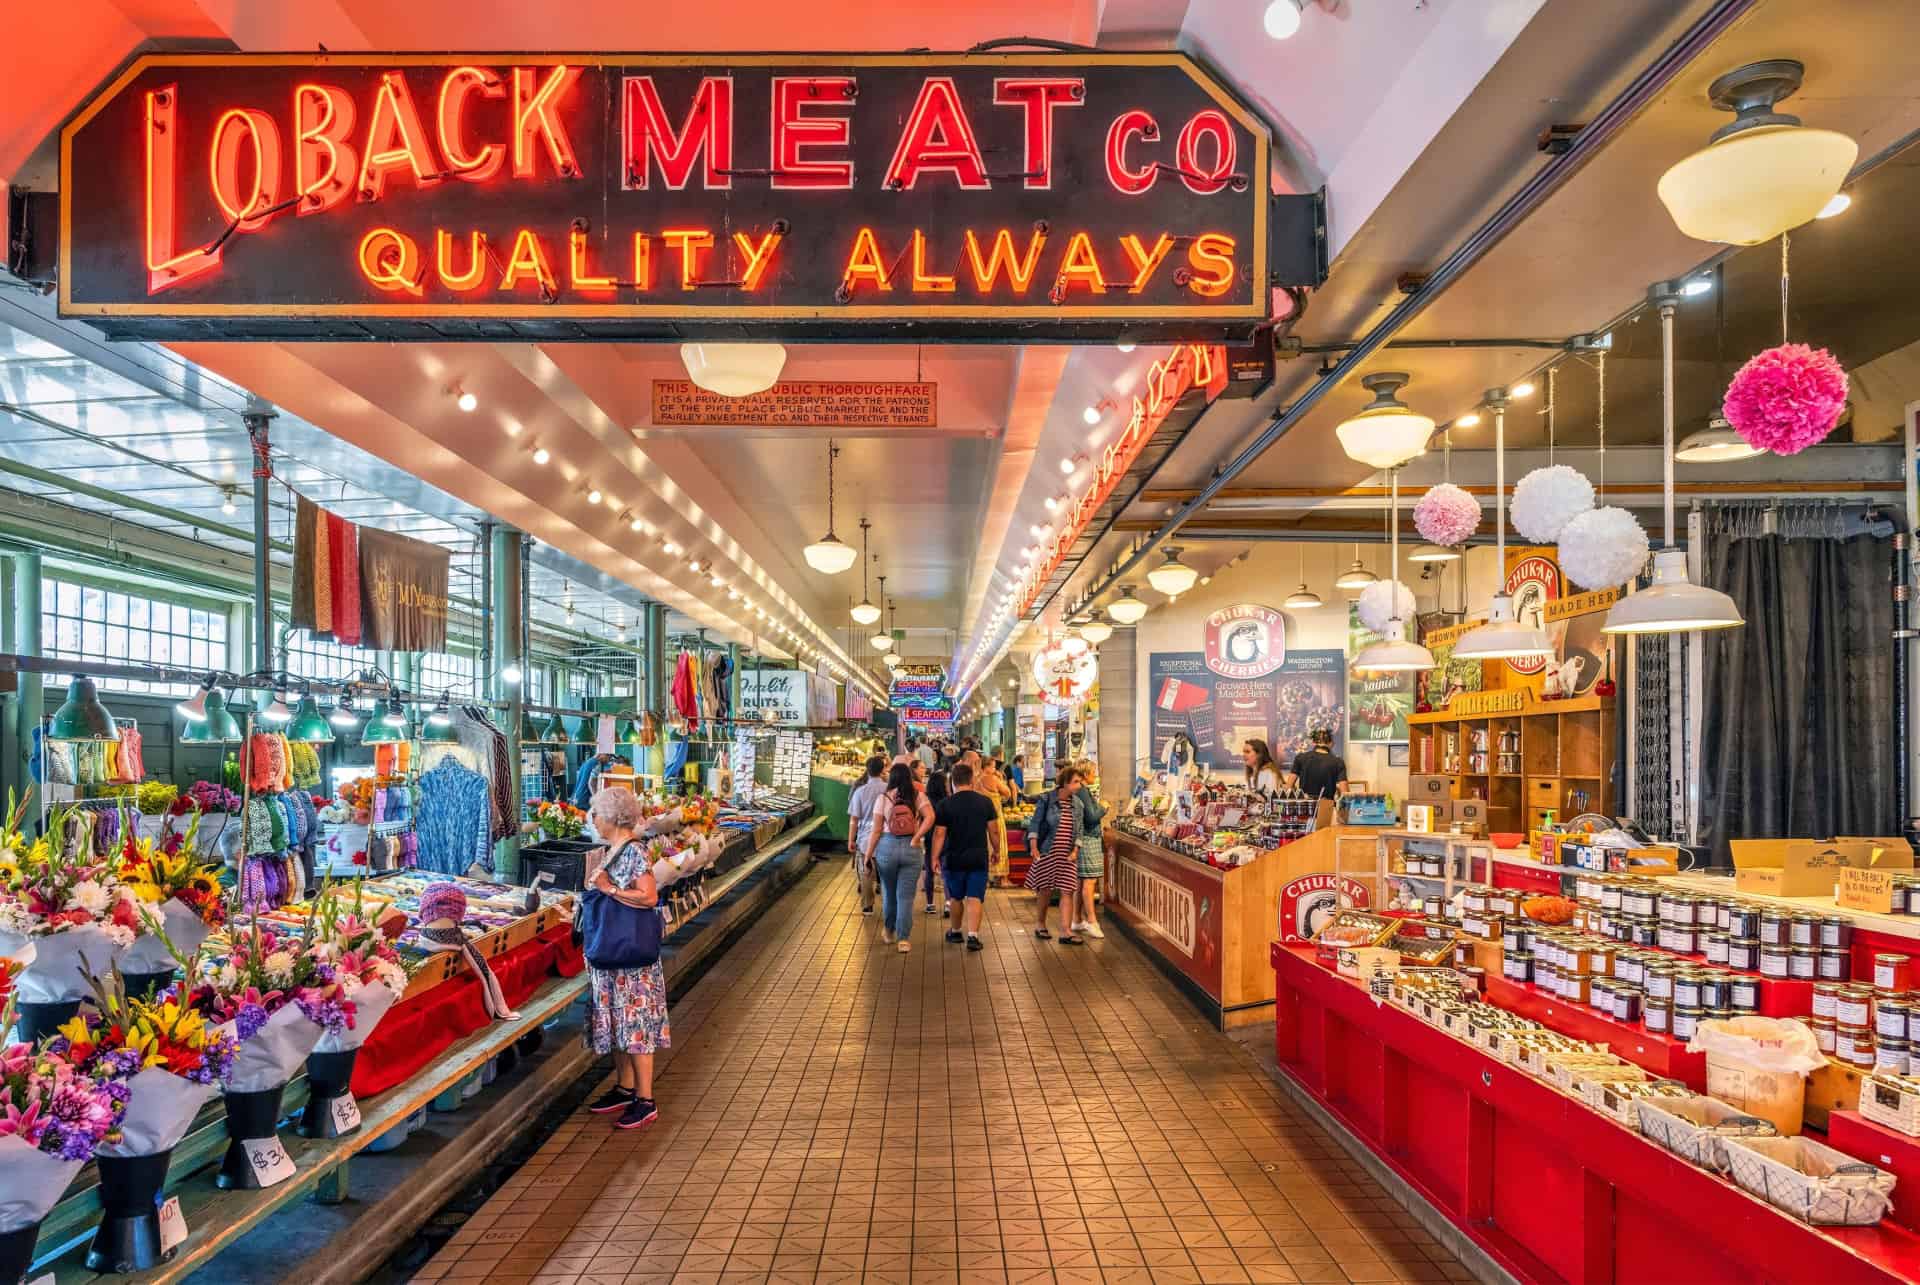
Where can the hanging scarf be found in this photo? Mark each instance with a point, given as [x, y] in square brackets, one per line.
[491, 995]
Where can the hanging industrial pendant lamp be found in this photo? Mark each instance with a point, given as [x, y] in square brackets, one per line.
[194, 709]
[1173, 577]
[1433, 553]
[1393, 653]
[882, 639]
[1717, 443]
[1303, 598]
[1096, 631]
[216, 727]
[1356, 576]
[1672, 604]
[864, 612]
[1502, 637]
[309, 725]
[1128, 609]
[437, 728]
[1762, 173]
[828, 555]
[1386, 433]
[81, 717]
[733, 370]
[387, 724]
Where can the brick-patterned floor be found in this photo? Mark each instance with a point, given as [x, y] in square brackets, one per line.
[835, 1111]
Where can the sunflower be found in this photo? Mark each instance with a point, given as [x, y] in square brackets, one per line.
[205, 884]
[9, 874]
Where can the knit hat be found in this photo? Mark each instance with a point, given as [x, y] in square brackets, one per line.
[442, 901]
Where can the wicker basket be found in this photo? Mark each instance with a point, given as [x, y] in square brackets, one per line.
[1810, 1180]
[1893, 1101]
[1618, 1098]
[1696, 1128]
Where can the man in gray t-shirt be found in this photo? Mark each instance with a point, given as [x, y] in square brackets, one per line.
[859, 818]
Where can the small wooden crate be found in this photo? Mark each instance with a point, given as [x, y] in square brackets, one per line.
[1892, 1100]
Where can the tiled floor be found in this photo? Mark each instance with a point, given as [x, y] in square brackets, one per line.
[834, 1111]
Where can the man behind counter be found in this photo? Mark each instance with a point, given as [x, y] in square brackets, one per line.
[1319, 772]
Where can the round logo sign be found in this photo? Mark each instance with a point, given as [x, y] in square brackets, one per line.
[1532, 584]
[1246, 641]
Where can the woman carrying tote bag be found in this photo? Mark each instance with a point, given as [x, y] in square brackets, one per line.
[628, 1016]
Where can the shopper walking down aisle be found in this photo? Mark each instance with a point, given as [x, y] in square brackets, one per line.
[1054, 839]
[901, 818]
[937, 787]
[859, 818]
[628, 1013]
[964, 839]
[990, 781]
[1093, 849]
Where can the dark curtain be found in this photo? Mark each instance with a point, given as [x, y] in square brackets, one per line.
[1797, 738]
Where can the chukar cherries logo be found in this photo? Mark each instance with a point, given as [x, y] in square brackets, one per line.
[1533, 583]
[1246, 641]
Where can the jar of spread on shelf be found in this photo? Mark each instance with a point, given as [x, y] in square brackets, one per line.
[1475, 900]
[1714, 946]
[1716, 989]
[1805, 964]
[1638, 900]
[1854, 1006]
[1610, 895]
[1723, 914]
[1743, 953]
[1743, 920]
[1473, 979]
[1893, 972]
[1600, 959]
[1658, 977]
[1600, 996]
[1773, 928]
[1687, 989]
[1744, 993]
[1825, 998]
[1626, 1003]
[1890, 1055]
[1630, 966]
[1835, 964]
[1646, 931]
[1890, 1017]
[1515, 937]
[1853, 1045]
[1803, 930]
[1516, 966]
[1656, 1013]
[1681, 939]
[1823, 1034]
[1686, 1021]
[1836, 932]
[1776, 960]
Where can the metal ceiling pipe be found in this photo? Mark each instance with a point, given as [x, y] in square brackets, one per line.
[1643, 89]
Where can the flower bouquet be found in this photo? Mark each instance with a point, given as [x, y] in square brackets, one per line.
[179, 900]
[361, 960]
[560, 820]
[170, 1062]
[52, 1116]
[73, 909]
[268, 991]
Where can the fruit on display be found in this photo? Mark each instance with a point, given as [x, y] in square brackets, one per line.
[1548, 910]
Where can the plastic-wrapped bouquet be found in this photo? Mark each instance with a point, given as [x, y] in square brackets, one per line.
[70, 904]
[178, 897]
[361, 961]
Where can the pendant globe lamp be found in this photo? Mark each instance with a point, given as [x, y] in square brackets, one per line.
[1393, 653]
[1386, 433]
[1355, 577]
[828, 555]
[1672, 604]
[882, 639]
[733, 370]
[309, 726]
[81, 717]
[1303, 598]
[1502, 637]
[1127, 609]
[1173, 577]
[1763, 172]
[1096, 631]
[864, 612]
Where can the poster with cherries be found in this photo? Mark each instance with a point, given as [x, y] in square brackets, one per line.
[1207, 717]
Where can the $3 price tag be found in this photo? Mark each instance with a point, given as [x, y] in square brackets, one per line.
[346, 1113]
[173, 1225]
[270, 1161]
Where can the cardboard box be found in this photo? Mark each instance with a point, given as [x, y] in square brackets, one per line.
[1430, 789]
[1471, 815]
[1806, 867]
[1421, 818]
[1364, 962]
[1866, 889]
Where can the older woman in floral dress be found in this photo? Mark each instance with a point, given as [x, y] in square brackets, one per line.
[629, 1005]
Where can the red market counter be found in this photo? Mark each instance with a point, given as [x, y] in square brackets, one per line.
[1551, 1189]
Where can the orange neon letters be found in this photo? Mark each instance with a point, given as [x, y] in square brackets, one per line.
[706, 135]
[577, 274]
[1211, 258]
[938, 136]
[797, 130]
[691, 242]
[322, 158]
[865, 263]
[240, 132]
[1019, 271]
[529, 259]
[923, 281]
[390, 260]
[1144, 260]
[476, 271]
[642, 261]
[1079, 265]
[165, 266]
[533, 113]
[395, 139]
[758, 257]
[455, 91]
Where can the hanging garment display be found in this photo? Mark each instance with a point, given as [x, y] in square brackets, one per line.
[723, 687]
[454, 819]
[603, 734]
[132, 767]
[343, 550]
[683, 699]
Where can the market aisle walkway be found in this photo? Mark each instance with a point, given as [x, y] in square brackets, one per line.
[833, 1111]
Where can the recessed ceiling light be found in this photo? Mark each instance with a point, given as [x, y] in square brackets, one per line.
[1053, 503]
[467, 401]
[541, 455]
[1069, 465]
[1282, 19]
[593, 496]
[1091, 414]
[1125, 345]
[635, 525]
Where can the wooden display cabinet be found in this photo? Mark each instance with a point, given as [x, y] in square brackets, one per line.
[1546, 756]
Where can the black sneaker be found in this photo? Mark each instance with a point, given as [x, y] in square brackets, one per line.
[616, 1099]
[954, 938]
[973, 943]
[640, 1111]
[866, 910]
[946, 912]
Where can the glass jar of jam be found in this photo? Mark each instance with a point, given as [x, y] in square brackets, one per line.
[1825, 998]
[1476, 900]
[1714, 946]
[1629, 966]
[1773, 928]
[1656, 1013]
[1803, 930]
[1890, 1055]
[1516, 966]
[1686, 1021]
[1716, 989]
[1776, 960]
[1600, 996]
[1610, 895]
[1823, 1033]
[1853, 1045]
[1743, 920]
[1805, 964]
[1473, 979]
[1514, 937]
[1637, 900]
[1646, 931]
[1836, 932]
[1723, 914]
[1744, 993]
[1659, 981]
[1686, 990]
[1835, 964]
[1680, 939]
[1600, 959]
[1626, 1003]
[1893, 972]
[1743, 953]
[1890, 1017]
[1854, 1006]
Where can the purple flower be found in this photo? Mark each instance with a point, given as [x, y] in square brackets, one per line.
[248, 1021]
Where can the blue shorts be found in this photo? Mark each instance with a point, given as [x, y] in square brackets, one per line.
[962, 884]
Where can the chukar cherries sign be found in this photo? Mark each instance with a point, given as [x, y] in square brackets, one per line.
[1246, 641]
[1009, 194]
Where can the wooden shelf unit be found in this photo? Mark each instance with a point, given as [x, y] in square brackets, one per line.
[1565, 758]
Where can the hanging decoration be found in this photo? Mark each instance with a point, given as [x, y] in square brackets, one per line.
[1379, 603]
[1447, 515]
[1603, 548]
[1545, 500]
[1786, 398]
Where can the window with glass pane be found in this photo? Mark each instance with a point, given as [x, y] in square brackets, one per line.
[310, 657]
[82, 622]
[539, 688]
[582, 686]
[455, 672]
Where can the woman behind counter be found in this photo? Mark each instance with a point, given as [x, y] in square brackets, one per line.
[628, 1013]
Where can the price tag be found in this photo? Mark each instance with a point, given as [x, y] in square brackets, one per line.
[346, 1113]
[173, 1225]
[270, 1161]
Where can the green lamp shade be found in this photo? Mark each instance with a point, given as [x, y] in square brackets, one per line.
[632, 735]
[555, 732]
[438, 730]
[217, 728]
[379, 731]
[81, 717]
[529, 734]
[309, 724]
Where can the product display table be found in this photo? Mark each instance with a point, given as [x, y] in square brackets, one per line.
[830, 792]
[1551, 1189]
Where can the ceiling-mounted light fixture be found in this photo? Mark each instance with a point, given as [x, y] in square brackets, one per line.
[227, 504]
[1282, 19]
[1762, 173]
[1717, 443]
[309, 726]
[195, 708]
[1356, 576]
[82, 717]
[1393, 653]
[466, 401]
[1172, 577]
[734, 370]
[1096, 631]
[1502, 637]
[1385, 434]
[1127, 608]
[541, 455]
[1303, 598]
[276, 712]
[344, 715]
[828, 555]
[864, 612]
[1433, 553]
[217, 726]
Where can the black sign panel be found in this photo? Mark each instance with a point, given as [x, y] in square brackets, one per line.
[987, 196]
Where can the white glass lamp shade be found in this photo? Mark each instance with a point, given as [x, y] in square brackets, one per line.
[1173, 577]
[734, 370]
[865, 613]
[1096, 631]
[1749, 187]
[1672, 604]
[1393, 653]
[1302, 599]
[1355, 577]
[1074, 645]
[1127, 609]
[829, 556]
[1433, 553]
[1717, 443]
[881, 641]
[892, 660]
[1502, 637]
[1385, 434]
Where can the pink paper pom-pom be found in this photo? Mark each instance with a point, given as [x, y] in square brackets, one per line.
[1787, 398]
[1446, 515]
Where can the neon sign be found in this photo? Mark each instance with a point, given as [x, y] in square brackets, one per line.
[1023, 195]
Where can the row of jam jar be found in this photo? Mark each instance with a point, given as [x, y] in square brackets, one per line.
[1667, 996]
[1866, 1027]
[1641, 898]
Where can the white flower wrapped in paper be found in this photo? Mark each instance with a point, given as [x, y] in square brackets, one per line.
[277, 1050]
[181, 933]
[370, 1004]
[31, 1182]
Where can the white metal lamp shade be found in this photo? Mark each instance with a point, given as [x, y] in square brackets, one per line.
[892, 660]
[1502, 637]
[829, 556]
[865, 613]
[1096, 631]
[1355, 577]
[734, 370]
[1433, 553]
[1717, 443]
[1127, 609]
[881, 641]
[1172, 577]
[1764, 172]
[1302, 599]
[1672, 604]
[1385, 434]
[1393, 653]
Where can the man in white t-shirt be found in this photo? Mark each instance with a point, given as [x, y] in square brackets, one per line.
[859, 818]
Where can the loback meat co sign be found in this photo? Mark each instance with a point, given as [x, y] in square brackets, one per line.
[446, 196]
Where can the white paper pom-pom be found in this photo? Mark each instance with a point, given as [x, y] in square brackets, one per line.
[1602, 548]
[1547, 499]
[1378, 604]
